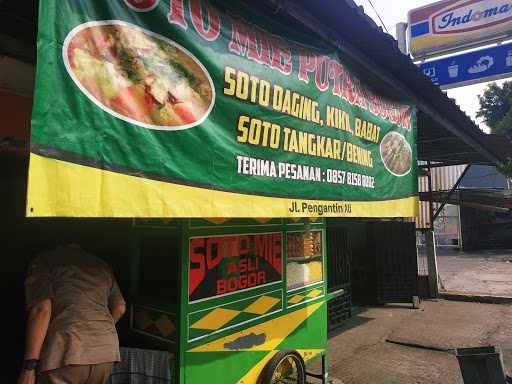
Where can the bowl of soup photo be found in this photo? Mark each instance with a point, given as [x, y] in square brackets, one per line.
[138, 76]
[396, 154]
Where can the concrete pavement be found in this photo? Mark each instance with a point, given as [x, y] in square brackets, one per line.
[369, 347]
[476, 273]
[487, 272]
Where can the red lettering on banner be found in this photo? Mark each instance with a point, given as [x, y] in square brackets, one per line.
[243, 265]
[383, 109]
[232, 246]
[177, 14]
[276, 252]
[249, 265]
[394, 114]
[242, 283]
[262, 47]
[244, 245]
[221, 287]
[264, 56]
[261, 246]
[347, 90]
[214, 251]
[211, 32]
[197, 264]
[307, 63]
[261, 278]
[374, 102]
[268, 247]
[406, 115]
[322, 75]
[335, 73]
[244, 269]
[244, 42]
[359, 95]
[232, 269]
[234, 284]
[281, 55]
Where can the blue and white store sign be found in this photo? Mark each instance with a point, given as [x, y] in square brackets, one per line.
[470, 68]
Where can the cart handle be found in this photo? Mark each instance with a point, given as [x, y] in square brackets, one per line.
[335, 294]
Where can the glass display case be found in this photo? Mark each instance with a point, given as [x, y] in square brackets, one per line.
[304, 259]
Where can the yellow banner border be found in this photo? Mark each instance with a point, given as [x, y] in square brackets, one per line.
[58, 188]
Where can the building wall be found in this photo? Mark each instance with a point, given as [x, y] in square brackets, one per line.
[16, 111]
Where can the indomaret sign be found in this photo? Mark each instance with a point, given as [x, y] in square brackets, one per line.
[451, 24]
[186, 108]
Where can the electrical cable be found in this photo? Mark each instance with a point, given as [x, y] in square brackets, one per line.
[377, 13]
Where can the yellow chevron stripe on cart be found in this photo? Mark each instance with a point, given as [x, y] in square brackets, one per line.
[219, 317]
[275, 331]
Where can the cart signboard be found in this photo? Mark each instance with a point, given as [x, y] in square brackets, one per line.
[452, 25]
[221, 265]
[233, 299]
[185, 109]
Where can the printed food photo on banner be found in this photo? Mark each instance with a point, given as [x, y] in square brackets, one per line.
[139, 76]
[396, 154]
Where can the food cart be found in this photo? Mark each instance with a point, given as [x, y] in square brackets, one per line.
[174, 112]
[244, 302]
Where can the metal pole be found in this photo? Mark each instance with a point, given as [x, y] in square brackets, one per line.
[430, 196]
[401, 37]
[430, 241]
[452, 191]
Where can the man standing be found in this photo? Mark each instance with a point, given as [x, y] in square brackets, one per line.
[73, 302]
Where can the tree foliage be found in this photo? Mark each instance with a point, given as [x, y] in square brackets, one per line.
[506, 169]
[496, 107]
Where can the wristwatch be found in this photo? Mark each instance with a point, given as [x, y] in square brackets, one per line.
[30, 364]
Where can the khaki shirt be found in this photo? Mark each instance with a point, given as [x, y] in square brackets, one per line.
[82, 290]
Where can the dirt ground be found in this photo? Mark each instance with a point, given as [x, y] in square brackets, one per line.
[397, 344]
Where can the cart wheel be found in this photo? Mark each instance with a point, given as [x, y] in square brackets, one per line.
[286, 367]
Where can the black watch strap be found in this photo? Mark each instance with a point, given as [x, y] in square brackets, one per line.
[30, 364]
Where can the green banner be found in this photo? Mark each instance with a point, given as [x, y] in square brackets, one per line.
[184, 108]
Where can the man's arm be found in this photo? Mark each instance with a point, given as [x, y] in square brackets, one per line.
[118, 311]
[37, 326]
[116, 302]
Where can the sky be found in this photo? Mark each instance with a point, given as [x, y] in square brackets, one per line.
[466, 97]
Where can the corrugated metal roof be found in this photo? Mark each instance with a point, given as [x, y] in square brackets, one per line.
[458, 140]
